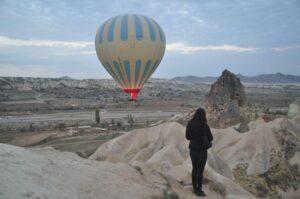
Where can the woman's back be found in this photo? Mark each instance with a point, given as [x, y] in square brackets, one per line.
[197, 133]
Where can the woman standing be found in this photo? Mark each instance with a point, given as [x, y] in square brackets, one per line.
[199, 134]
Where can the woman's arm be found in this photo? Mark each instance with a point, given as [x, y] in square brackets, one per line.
[188, 132]
[208, 134]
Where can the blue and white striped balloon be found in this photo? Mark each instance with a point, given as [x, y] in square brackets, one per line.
[130, 47]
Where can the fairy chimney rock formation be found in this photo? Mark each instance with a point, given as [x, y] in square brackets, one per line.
[224, 100]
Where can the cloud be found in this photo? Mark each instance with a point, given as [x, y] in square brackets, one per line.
[7, 41]
[286, 48]
[25, 70]
[53, 71]
[92, 52]
[186, 49]
[75, 47]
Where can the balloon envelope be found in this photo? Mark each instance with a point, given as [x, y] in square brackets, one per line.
[130, 47]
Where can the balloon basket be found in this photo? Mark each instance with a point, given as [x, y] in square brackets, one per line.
[132, 92]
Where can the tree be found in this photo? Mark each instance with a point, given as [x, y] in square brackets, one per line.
[31, 127]
[97, 115]
[119, 124]
[130, 119]
[113, 122]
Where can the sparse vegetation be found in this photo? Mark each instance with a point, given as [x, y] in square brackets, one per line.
[104, 124]
[139, 169]
[279, 176]
[217, 187]
[22, 129]
[169, 195]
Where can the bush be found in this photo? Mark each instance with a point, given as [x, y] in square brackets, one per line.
[139, 169]
[31, 127]
[104, 124]
[61, 126]
[119, 124]
[112, 122]
[243, 127]
[22, 129]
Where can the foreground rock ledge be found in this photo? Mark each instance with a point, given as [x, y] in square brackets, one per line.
[47, 173]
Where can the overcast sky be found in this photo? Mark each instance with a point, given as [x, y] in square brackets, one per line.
[56, 38]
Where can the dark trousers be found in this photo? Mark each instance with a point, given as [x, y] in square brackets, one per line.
[198, 161]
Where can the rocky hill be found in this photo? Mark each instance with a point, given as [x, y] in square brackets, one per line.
[264, 78]
[194, 79]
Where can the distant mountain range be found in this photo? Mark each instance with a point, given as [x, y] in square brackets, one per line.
[265, 78]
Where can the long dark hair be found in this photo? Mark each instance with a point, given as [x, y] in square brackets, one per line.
[199, 117]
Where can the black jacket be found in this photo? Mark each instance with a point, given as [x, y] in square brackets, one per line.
[196, 132]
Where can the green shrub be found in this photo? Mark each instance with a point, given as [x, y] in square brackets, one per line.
[217, 187]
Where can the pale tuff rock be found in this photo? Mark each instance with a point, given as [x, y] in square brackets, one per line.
[253, 147]
[164, 149]
[253, 124]
[47, 173]
[224, 99]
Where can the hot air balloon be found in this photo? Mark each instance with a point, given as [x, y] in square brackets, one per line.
[130, 47]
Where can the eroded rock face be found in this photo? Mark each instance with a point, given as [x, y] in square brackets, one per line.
[164, 149]
[224, 99]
